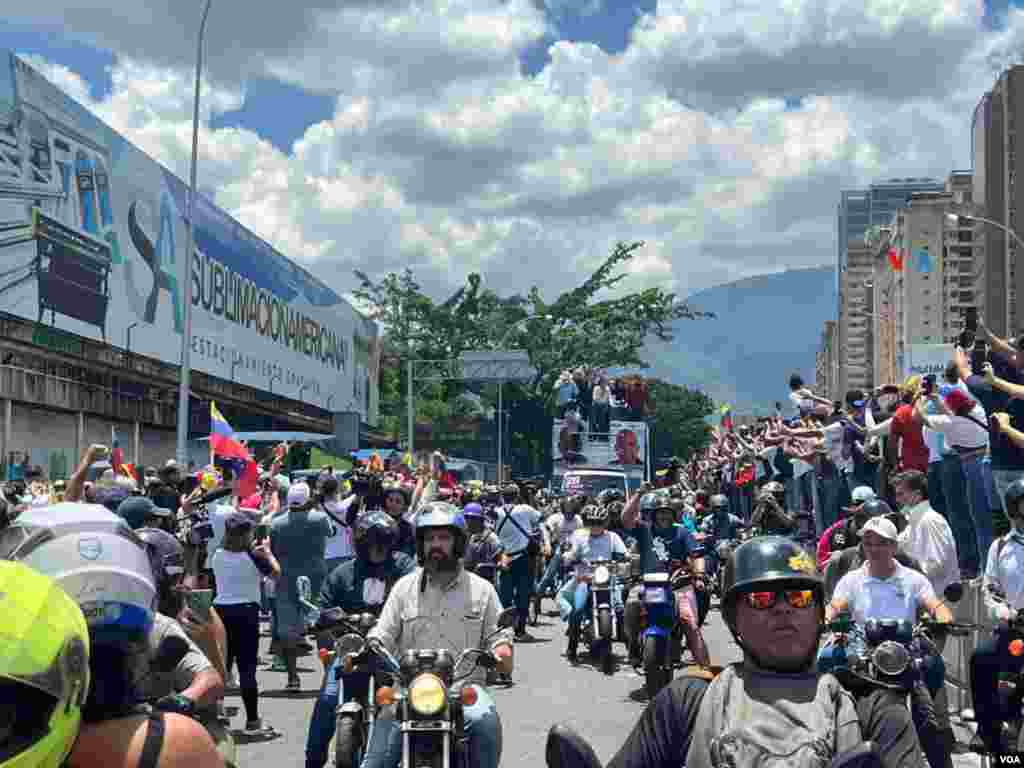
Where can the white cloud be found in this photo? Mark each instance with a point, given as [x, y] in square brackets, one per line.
[443, 156]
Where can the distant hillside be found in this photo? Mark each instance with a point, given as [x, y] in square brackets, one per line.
[767, 327]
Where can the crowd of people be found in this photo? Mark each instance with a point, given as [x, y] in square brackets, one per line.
[156, 585]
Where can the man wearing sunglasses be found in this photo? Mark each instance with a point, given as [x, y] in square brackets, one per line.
[774, 707]
[883, 588]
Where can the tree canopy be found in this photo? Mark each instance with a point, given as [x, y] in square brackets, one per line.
[592, 324]
[677, 421]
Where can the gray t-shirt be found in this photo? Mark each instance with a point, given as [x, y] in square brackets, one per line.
[159, 684]
[751, 718]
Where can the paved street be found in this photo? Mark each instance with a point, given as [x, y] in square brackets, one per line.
[546, 691]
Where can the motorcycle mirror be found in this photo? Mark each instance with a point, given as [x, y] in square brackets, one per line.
[954, 592]
[866, 755]
[567, 749]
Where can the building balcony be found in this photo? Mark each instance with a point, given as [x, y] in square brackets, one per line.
[38, 388]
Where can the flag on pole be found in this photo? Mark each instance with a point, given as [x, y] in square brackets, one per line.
[116, 452]
[726, 412]
[896, 260]
[224, 443]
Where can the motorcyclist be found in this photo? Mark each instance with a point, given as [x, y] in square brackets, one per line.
[89, 546]
[838, 536]
[772, 708]
[852, 556]
[358, 586]
[770, 516]
[723, 527]
[882, 588]
[561, 527]
[442, 605]
[483, 546]
[662, 543]
[44, 668]
[595, 542]
[1003, 590]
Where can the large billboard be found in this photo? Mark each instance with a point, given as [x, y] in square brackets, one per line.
[92, 238]
[928, 358]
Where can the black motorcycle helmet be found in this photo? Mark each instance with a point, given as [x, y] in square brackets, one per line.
[509, 492]
[609, 495]
[1012, 497]
[594, 514]
[374, 527]
[773, 562]
[870, 508]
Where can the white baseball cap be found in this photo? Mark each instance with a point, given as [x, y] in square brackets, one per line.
[882, 526]
[862, 493]
[298, 494]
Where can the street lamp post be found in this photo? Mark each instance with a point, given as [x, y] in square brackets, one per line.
[128, 338]
[500, 419]
[186, 287]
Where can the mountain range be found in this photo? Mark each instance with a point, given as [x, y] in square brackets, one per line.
[766, 328]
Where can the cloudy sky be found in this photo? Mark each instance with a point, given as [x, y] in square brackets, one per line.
[522, 138]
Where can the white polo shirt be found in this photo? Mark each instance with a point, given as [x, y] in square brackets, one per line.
[901, 596]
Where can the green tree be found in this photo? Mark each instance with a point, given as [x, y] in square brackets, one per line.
[678, 425]
[586, 325]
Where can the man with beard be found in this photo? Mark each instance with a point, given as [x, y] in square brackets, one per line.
[441, 605]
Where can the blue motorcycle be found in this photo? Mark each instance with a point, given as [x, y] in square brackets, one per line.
[659, 631]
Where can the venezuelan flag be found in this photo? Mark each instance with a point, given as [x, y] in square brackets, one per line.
[224, 443]
[726, 412]
[222, 437]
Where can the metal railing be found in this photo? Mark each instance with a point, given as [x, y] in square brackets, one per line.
[42, 389]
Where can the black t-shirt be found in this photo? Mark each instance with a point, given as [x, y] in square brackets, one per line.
[1005, 453]
[841, 538]
[661, 738]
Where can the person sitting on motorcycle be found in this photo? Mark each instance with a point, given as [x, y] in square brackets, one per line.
[772, 708]
[561, 527]
[483, 547]
[837, 536]
[442, 605]
[1003, 590]
[358, 586]
[882, 588]
[852, 556]
[595, 542]
[770, 516]
[723, 526]
[663, 546]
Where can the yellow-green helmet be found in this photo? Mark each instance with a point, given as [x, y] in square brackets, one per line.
[44, 669]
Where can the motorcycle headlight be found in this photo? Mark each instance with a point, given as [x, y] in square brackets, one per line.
[891, 658]
[427, 694]
[601, 575]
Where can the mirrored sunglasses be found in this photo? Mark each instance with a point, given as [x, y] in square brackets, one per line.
[798, 598]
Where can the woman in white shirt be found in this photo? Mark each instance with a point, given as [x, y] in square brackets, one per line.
[339, 546]
[238, 567]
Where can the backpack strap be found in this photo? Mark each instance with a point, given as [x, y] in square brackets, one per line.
[154, 743]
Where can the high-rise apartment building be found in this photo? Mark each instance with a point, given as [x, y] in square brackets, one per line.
[996, 196]
[923, 303]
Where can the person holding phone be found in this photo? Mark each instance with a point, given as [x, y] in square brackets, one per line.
[238, 566]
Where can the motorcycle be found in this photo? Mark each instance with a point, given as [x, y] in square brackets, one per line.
[430, 692]
[567, 749]
[355, 717]
[659, 632]
[599, 629]
[1011, 682]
